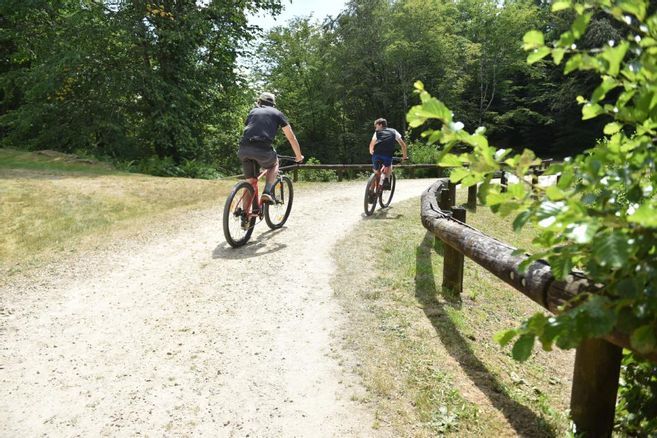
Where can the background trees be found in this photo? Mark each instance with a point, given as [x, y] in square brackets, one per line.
[160, 83]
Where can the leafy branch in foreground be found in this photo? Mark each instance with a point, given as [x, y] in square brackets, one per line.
[600, 218]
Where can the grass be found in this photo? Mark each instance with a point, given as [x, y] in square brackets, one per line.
[51, 205]
[428, 359]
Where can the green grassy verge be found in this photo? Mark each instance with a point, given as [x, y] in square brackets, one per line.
[427, 358]
[50, 205]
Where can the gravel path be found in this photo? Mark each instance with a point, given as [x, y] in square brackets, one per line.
[174, 333]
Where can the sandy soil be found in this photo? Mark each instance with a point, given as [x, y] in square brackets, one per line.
[175, 333]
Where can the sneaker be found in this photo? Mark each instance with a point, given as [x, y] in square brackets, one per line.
[266, 198]
[386, 184]
[244, 222]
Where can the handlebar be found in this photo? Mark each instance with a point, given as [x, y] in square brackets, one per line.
[289, 158]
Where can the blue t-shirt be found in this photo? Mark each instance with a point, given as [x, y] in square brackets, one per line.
[261, 126]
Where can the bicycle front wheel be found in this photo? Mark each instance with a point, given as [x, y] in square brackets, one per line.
[386, 195]
[370, 195]
[238, 226]
[276, 214]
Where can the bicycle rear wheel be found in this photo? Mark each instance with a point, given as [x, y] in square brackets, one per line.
[386, 195]
[370, 195]
[276, 214]
[238, 227]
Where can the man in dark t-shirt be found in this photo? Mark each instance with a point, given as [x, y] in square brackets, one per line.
[256, 149]
[382, 147]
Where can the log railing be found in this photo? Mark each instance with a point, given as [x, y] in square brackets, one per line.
[348, 169]
[597, 361]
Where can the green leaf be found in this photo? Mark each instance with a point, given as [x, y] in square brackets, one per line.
[579, 25]
[533, 39]
[612, 128]
[614, 56]
[477, 140]
[450, 160]
[557, 55]
[523, 347]
[643, 339]
[560, 5]
[537, 55]
[591, 110]
[645, 215]
[611, 250]
[458, 174]
[505, 336]
[521, 220]
[554, 193]
[638, 8]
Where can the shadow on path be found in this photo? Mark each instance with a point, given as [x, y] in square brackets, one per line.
[524, 421]
[256, 247]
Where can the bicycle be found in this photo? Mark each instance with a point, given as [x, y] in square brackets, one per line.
[243, 209]
[376, 191]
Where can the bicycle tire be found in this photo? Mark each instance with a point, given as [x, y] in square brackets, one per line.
[236, 235]
[276, 214]
[370, 195]
[387, 194]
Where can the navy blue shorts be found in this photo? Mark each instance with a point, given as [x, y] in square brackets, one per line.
[378, 160]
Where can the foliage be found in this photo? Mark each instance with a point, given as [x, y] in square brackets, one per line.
[637, 407]
[126, 80]
[600, 218]
[322, 175]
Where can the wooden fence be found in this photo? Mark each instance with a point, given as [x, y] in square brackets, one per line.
[597, 361]
[349, 169]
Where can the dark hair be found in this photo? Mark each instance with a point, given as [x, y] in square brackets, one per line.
[264, 103]
[383, 122]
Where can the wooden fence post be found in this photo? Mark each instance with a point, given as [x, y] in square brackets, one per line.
[339, 172]
[295, 175]
[535, 173]
[443, 199]
[472, 198]
[595, 385]
[453, 261]
[503, 182]
[451, 187]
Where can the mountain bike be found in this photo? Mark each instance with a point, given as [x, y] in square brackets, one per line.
[377, 190]
[243, 209]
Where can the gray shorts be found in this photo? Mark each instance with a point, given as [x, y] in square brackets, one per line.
[255, 156]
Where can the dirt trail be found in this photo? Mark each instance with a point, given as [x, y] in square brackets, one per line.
[175, 333]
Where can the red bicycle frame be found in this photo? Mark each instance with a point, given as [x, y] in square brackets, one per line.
[247, 204]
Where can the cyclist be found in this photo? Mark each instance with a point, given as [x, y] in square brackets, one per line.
[382, 147]
[256, 144]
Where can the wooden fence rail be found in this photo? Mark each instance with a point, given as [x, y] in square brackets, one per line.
[597, 361]
[341, 169]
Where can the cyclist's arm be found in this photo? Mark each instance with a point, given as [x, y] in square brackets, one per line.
[404, 148]
[289, 134]
[372, 143]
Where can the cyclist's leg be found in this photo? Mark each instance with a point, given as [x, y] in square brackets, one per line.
[250, 170]
[268, 160]
[377, 163]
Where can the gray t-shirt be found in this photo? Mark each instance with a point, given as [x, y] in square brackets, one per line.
[261, 126]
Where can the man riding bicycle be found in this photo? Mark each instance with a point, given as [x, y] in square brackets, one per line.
[256, 144]
[382, 148]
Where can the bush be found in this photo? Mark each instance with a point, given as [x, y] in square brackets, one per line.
[167, 167]
[318, 175]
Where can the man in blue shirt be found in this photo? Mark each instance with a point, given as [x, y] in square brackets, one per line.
[256, 149]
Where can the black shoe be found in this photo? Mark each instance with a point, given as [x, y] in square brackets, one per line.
[386, 184]
[244, 222]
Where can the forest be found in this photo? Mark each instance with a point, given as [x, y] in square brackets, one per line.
[163, 87]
